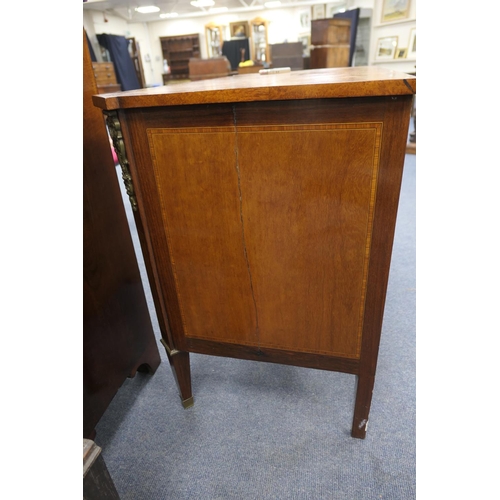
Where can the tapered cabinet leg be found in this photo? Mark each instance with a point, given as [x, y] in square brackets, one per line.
[364, 393]
[179, 362]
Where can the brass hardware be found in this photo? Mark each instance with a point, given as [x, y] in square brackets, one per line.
[115, 131]
[187, 403]
[170, 352]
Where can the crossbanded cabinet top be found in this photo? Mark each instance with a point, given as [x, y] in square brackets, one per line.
[362, 81]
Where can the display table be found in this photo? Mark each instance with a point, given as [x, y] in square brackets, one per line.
[266, 207]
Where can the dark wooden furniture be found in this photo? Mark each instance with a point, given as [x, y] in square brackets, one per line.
[178, 50]
[105, 77]
[135, 55]
[205, 69]
[97, 482]
[330, 41]
[288, 55]
[118, 336]
[267, 206]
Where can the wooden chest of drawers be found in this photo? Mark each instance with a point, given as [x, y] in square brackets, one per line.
[266, 207]
[105, 77]
[330, 40]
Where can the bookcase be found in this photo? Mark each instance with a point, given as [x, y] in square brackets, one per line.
[177, 50]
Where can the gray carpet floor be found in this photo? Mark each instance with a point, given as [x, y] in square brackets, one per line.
[265, 431]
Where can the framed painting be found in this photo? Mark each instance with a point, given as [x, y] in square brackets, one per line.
[395, 10]
[305, 20]
[386, 48]
[412, 44]
[401, 53]
[239, 29]
[318, 11]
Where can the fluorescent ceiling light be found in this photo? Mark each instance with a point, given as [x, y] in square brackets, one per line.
[148, 9]
[169, 14]
[218, 9]
[270, 5]
[203, 3]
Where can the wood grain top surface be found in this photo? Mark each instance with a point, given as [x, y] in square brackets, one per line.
[363, 81]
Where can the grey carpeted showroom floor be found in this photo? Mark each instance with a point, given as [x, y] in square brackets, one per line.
[263, 431]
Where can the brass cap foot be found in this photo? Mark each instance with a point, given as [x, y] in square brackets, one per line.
[187, 403]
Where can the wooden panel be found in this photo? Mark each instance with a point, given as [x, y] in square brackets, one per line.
[241, 244]
[309, 230]
[112, 87]
[330, 31]
[203, 69]
[197, 186]
[330, 57]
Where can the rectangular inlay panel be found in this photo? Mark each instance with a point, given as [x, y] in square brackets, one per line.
[269, 231]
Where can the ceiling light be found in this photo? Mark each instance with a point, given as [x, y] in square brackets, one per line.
[148, 9]
[202, 3]
[270, 5]
[169, 14]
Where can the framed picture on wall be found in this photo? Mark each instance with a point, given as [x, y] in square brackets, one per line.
[386, 48]
[239, 29]
[401, 53]
[412, 44]
[395, 10]
[318, 11]
[305, 20]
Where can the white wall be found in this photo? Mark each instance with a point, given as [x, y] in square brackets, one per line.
[400, 29]
[284, 25]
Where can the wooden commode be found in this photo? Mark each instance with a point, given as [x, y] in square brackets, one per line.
[266, 207]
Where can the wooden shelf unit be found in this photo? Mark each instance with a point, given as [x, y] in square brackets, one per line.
[177, 50]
